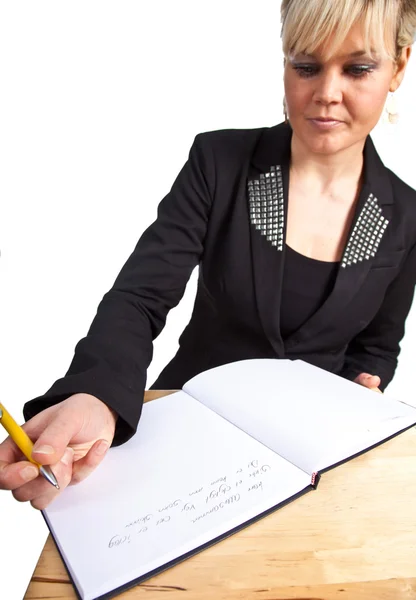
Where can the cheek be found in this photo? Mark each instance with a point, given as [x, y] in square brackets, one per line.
[366, 104]
[297, 95]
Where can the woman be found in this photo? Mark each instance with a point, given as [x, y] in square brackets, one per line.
[306, 245]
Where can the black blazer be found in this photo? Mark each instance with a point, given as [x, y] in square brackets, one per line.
[227, 212]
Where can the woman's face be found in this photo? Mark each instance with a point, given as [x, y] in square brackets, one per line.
[334, 104]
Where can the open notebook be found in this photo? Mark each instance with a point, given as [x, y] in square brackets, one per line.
[236, 443]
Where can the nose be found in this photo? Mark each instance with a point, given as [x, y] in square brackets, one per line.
[328, 88]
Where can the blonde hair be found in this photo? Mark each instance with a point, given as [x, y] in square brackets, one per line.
[389, 25]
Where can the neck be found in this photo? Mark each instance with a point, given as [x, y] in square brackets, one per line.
[324, 172]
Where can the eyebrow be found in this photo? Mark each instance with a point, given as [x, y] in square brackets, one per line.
[361, 53]
[356, 54]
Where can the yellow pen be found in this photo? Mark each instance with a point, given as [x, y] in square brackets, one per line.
[23, 441]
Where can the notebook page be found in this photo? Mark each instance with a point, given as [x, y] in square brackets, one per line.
[186, 477]
[307, 415]
[356, 417]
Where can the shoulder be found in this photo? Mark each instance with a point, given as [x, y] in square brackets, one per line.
[398, 198]
[404, 205]
[231, 136]
[231, 152]
[402, 189]
[229, 144]
[404, 195]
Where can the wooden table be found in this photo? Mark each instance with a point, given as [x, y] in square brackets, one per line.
[354, 538]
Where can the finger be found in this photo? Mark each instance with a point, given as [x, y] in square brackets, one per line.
[12, 466]
[376, 381]
[373, 384]
[46, 428]
[9, 451]
[83, 467]
[16, 474]
[42, 488]
[372, 381]
[53, 439]
[362, 378]
[368, 380]
[41, 501]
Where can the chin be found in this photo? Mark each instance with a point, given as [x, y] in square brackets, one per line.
[326, 143]
[327, 148]
[324, 146]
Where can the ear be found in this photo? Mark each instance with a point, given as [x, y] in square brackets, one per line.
[400, 68]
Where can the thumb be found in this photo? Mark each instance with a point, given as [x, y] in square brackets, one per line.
[371, 381]
[375, 381]
[368, 380]
[55, 437]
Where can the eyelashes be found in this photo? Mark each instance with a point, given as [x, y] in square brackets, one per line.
[307, 71]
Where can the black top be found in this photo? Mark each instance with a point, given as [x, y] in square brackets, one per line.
[307, 283]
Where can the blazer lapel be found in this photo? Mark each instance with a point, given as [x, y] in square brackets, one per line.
[267, 193]
[268, 187]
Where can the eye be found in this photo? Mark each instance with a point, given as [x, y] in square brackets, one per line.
[359, 71]
[306, 71]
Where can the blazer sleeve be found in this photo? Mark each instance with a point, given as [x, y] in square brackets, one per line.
[375, 350]
[111, 361]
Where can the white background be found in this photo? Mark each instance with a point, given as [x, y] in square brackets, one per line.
[100, 103]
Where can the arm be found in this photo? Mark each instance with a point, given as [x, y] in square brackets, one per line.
[375, 350]
[110, 363]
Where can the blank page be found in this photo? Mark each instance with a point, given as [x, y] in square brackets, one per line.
[186, 477]
[311, 417]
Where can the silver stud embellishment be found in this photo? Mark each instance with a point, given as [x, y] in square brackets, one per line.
[267, 209]
[366, 237]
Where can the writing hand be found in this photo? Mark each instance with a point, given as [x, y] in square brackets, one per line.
[371, 382]
[72, 437]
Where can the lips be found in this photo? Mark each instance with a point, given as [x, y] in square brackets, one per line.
[325, 124]
[325, 120]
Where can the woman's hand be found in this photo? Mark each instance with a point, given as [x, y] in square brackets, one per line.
[72, 436]
[372, 382]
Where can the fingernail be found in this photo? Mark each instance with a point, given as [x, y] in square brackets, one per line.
[102, 447]
[29, 473]
[44, 450]
[68, 456]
